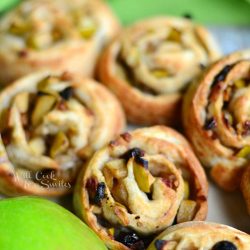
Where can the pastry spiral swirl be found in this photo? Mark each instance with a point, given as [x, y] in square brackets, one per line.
[201, 235]
[151, 63]
[54, 35]
[217, 120]
[50, 125]
[141, 183]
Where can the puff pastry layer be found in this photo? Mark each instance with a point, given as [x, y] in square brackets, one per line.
[245, 187]
[141, 183]
[50, 125]
[201, 235]
[217, 120]
[151, 63]
[55, 35]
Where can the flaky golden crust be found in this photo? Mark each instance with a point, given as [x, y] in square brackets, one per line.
[83, 117]
[245, 187]
[148, 68]
[83, 28]
[113, 176]
[216, 118]
[200, 235]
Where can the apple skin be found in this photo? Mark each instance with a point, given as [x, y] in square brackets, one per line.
[31, 223]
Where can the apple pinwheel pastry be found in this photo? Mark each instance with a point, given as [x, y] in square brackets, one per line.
[138, 185]
[58, 35]
[201, 235]
[216, 118]
[50, 125]
[151, 63]
[245, 187]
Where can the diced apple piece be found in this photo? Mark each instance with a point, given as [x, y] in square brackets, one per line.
[186, 211]
[46, 82]
[60, 144]
[111, 231]
[44, 86]
[53, 85]
[117, 168]
[87, 27]
[240, 83]
[244, 152]
[21, 101]
[43, 105]
[186, 190]
[37, 145]
[18, 28]
[143, 177]
[87, 32]
[174, 35]
[159, 73]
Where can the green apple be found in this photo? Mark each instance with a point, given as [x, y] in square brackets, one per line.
[30, 223]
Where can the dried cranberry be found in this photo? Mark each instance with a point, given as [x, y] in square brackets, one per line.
[141, 162]
[41, 93]
[170, 181]
[100, 192]
[126, 136]
[91, 184]
[23, 53]
[202, 66]
[221, 76]
[210, 124]
[132, 153]
[139, 245]
[224, 245]
[91, 187]
[159, 244]
[131, 240]
[67, 93]
[246, 127]
[137, 154]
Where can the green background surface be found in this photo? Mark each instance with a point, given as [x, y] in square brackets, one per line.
[218, 12]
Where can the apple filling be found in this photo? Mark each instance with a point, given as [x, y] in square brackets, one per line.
[139, 195]
[43, 131]
[227, 111]
[40, 26]
[161, 59]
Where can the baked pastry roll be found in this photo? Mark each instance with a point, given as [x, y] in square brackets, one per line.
[138, 185]
[245, 187]
[151, 63]
[201, 235]
[56, 35]
[216, 118]
[50, 125]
